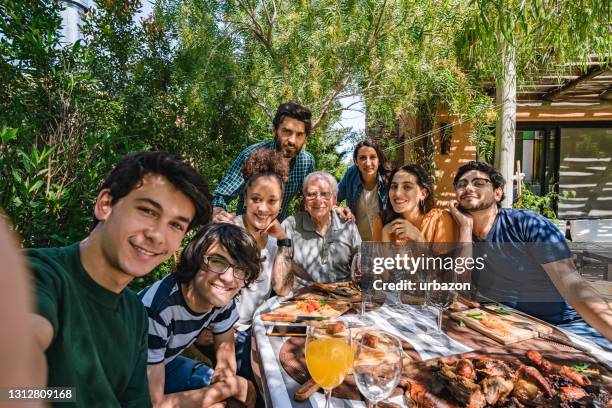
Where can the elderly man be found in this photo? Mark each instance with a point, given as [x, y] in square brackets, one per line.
[324, 243]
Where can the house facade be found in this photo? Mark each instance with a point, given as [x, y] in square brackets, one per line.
[563, 142]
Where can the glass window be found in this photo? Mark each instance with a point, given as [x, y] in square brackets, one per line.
[529, 149]
[585, 173]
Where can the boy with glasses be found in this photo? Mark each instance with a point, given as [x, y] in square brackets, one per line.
[528, 264]
[220, 260]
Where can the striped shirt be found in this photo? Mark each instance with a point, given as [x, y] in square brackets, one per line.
[232, 183]
[173, 326]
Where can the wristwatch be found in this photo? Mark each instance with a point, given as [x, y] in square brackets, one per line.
[285, 242]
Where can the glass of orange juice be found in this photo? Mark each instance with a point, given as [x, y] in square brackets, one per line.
[329, 355]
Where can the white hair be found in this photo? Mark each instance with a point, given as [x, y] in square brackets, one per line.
[321, 175]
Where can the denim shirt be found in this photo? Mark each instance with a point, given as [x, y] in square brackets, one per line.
[351, 186]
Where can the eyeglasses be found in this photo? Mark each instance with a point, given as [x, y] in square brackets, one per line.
[477, 183]
[311, 195]
[220, 266]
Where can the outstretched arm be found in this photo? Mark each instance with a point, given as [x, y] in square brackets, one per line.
[581, 295]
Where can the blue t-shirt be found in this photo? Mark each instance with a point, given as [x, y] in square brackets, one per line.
[518, 244]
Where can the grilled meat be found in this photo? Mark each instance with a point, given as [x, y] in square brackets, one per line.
[463, 389]
[493, 368]
[540, 362]
[489, 382]
[574, 376]
[571, 393]
[465, 368]
[532, 375]
[417, 395]
[496, 388]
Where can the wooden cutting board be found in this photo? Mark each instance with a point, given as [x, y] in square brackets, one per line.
[325, 308]
[344, 291]
[499, 327]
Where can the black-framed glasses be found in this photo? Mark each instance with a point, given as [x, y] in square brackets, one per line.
[219, 265]
[311, 195]
[477, 183]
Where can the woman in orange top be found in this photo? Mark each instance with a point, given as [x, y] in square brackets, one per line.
[410, 217]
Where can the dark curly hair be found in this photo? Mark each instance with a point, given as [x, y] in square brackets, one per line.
[265, 163]
[423, 180]
[497, 180]
[131, 169]
[294, 111]
[240, 245]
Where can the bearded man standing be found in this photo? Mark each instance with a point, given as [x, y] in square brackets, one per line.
[291, 127]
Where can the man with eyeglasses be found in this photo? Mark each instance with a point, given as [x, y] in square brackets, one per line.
[528, 265]
[220, 260]
[290, 127]
[324, 244]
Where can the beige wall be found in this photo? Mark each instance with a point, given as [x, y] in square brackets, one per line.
[462, 150]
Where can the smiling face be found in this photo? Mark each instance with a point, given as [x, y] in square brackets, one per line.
[367, 161]
[142, 229]
[405, 193]
[476, 197]
[214, 289]
[319, 198]
[263, 203]
[290, 137]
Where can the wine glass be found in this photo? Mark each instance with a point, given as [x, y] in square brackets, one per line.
[358, 278]
[378, 365]
[439, 297]
[329, 355]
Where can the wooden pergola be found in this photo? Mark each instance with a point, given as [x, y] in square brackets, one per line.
[574, 85]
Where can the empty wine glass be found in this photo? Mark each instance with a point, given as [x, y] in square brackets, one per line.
[378, 365]
[329, 355]
[439, 297]
[358, 278]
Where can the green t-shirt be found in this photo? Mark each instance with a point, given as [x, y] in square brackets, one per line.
[99, 340]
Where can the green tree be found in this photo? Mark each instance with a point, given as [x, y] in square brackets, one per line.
[397, 55]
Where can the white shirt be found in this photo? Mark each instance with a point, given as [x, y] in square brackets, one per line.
[366, 211]
[259, 291]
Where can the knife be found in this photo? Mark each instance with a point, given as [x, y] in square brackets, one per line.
[283, 317]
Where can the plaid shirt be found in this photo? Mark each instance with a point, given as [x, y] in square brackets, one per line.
[233, 182]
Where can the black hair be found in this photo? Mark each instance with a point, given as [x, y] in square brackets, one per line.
[384, 165]
[295, 111]
[240, 245]
[423, 180]
[132, 168]
[497, 180]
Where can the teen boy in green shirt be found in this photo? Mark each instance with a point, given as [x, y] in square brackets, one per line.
[91, 328]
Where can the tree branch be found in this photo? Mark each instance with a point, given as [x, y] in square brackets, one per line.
[261, 104]
[256, 28]
[340, 85]
[378, 20]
